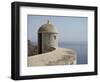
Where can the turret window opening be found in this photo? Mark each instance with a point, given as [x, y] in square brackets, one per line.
[55, 37]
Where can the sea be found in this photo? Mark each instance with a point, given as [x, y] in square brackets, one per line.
[80, 48]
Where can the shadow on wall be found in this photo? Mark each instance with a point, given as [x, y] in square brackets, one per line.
[33, 49]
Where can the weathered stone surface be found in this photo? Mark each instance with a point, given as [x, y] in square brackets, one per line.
[60, 56]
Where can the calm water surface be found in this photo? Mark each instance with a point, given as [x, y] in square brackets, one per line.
[80, 48]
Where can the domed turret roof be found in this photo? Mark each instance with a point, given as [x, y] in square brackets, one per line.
[47, 28]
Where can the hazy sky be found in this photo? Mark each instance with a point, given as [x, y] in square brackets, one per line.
[71, 29]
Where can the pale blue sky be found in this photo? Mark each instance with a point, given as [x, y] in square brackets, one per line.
[71, 29]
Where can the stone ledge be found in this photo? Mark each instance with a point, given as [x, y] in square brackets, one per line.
[60, 56]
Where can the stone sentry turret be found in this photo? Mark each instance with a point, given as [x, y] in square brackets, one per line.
[47, 38]
[47, 42]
